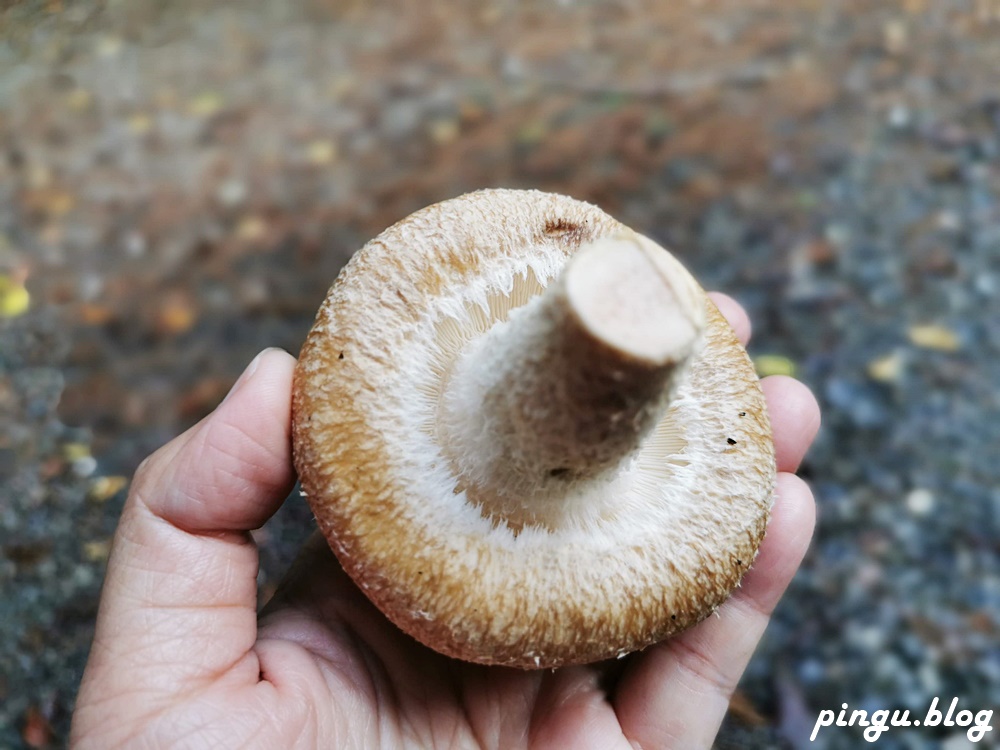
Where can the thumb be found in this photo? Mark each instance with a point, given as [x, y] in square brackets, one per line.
[178, 608]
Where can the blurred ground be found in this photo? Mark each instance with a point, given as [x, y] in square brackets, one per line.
[180, 183]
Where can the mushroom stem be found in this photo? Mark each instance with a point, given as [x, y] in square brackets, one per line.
[570, 384]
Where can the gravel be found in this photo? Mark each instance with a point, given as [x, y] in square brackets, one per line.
[179, 185]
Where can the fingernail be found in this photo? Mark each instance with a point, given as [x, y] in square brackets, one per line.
[247, 374]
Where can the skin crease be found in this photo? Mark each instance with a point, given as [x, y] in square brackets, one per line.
[181, 657]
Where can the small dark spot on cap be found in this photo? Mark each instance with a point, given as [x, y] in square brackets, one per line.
[743, 413]
[341, 356]
[739, 562]
[560, 226]
[558, 472]
[730, 441]
[673, 617]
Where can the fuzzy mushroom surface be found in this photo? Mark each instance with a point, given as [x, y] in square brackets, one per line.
[528, 434]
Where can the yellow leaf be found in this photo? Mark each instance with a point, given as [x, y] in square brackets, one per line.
[251, 229]
[321, 152]
[75, 451]
[140, 123]
[109, 46]
[14, 298]
[937, 337]
[341, 86]
[97, 550]
[104, 488]
[176, 316]
[774, 364]
[531, 133]
[205, 104]
[443, 130]
[887, 369]
[78, 99]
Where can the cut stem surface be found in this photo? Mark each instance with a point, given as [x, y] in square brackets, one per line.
[566, 389]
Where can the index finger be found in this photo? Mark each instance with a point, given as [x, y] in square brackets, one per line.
[734, 314]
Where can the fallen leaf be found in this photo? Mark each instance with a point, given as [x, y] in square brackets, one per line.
[471, 112]
[743, 710]
[205, 395]
[821, 252]
[531, 133]
[79, 99]
[321, 152]
[251, 229]
[205, 104]
[104, 488]
[50, 468]
[140, 123]
[774, 364]
[887, 369]
[52, 202]
[176, 315]
[37, 731]
[97, 550]
[895, 36]
[27, 553]
[341, 86]
[75, 451]
[937, 337]
[95, 314]
[109, 46]
[443, 130]
[14, 297]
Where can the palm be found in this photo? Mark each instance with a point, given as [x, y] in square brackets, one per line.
[181, 658]
[402, 691]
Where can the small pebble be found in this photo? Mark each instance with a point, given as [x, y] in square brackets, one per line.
[135, 244]
[231, 193]
[959, 741]
[84, 467]
[899, 117]
[920, 502]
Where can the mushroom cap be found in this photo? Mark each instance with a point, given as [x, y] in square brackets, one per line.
[647, 552]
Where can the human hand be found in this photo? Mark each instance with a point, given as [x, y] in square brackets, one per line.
[181, 657]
